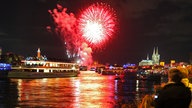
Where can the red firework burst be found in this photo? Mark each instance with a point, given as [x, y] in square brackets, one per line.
[97, 23]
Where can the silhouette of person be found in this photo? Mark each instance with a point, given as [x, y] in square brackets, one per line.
[185, 74]
[147, 102]
[174, 94]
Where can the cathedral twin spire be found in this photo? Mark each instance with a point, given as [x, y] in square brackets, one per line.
[155, 52]
[155, 56]
[155, 59]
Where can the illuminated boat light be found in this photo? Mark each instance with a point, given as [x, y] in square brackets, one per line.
[4, 66]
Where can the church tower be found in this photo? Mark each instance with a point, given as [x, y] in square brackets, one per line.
[38, 53]
[155, 57]
[147, 57]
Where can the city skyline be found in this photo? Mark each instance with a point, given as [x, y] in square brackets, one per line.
[142, 26]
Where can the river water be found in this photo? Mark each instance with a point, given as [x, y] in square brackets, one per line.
[88, 90]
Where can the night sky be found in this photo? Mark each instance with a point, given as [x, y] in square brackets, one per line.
[143, 25]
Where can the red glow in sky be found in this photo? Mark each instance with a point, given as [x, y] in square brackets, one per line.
[97, 23]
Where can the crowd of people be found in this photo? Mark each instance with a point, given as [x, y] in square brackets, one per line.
[176, 93]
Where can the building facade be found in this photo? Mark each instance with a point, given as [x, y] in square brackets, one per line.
[154, 61]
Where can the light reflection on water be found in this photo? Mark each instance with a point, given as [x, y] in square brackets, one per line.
[89, 90]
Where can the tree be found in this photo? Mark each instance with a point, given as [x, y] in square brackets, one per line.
[11, 58]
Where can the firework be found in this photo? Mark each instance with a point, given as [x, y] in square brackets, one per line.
[94, 27]
[66, 28]
[97, 24]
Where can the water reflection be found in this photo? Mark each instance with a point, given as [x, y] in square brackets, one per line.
[88, 90]
[8, 94]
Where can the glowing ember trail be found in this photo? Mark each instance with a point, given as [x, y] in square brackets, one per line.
[97, 24]
[66, 28]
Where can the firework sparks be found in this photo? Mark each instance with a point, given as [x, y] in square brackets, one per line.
[66, 28]
[85, 54]
[97, 23]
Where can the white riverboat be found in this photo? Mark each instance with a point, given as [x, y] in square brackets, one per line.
[44, 69]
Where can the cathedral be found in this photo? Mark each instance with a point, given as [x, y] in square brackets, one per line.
[154, 61]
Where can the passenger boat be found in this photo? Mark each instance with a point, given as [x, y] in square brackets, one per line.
[149, 77]
[155, 73]
[44, 69]
[4, 69]
[113, 70]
